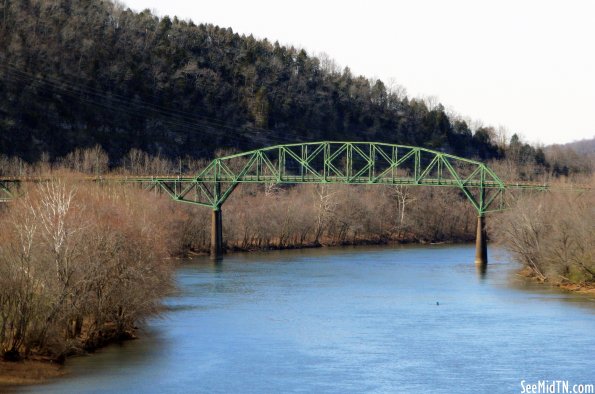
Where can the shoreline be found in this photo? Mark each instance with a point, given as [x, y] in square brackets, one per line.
[28, 372]
[39, 370]
[329, 244]
[566, 287]
[575, 288]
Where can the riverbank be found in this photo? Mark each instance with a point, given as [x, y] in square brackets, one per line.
[551, 235]
[329, 243]
[315, 318]
[28, 372]
[527, 273]
[579, 288]
[80, 267]
[38, 369]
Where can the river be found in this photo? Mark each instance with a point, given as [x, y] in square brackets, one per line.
[349, 320]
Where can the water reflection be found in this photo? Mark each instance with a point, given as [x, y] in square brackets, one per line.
[482, 270]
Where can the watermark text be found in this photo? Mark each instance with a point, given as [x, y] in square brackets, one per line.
[555, 387]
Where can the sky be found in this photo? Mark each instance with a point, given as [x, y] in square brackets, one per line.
[524, 66]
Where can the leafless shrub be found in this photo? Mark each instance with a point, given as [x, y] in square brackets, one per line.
[80, 264]
[90, 161]
[551, 234]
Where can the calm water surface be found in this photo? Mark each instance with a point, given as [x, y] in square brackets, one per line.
[349, 320]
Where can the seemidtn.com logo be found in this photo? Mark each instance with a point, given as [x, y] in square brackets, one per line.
[555, 387]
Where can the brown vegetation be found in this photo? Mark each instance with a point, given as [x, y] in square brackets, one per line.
[552, 235]
[314, 215]
[272, 216]
[80, 264]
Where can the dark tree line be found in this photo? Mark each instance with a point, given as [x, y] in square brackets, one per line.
[80, 73]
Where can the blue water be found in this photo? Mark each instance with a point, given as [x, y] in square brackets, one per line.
[349, 320]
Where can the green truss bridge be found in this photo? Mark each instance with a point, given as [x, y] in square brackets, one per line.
[353, 163]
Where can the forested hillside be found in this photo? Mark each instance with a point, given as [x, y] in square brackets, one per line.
[573, 157]
[80, 73]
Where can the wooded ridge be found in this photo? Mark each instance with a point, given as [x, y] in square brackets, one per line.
[74, 74]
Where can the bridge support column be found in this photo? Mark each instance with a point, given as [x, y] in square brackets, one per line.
[216, 234]
[481, 242]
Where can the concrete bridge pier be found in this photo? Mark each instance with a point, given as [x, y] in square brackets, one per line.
[216, 234]
[481, 242]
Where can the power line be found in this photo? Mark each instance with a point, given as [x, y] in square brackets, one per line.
[188, 124]
[182, 119]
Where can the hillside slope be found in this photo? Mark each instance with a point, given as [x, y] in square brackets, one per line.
[80, 73]
[577, 156]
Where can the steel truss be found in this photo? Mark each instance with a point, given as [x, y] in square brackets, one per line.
[352, 163]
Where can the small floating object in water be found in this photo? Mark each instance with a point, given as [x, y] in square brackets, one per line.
[437, 303]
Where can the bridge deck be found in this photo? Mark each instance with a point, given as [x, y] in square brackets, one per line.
[386, 180]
